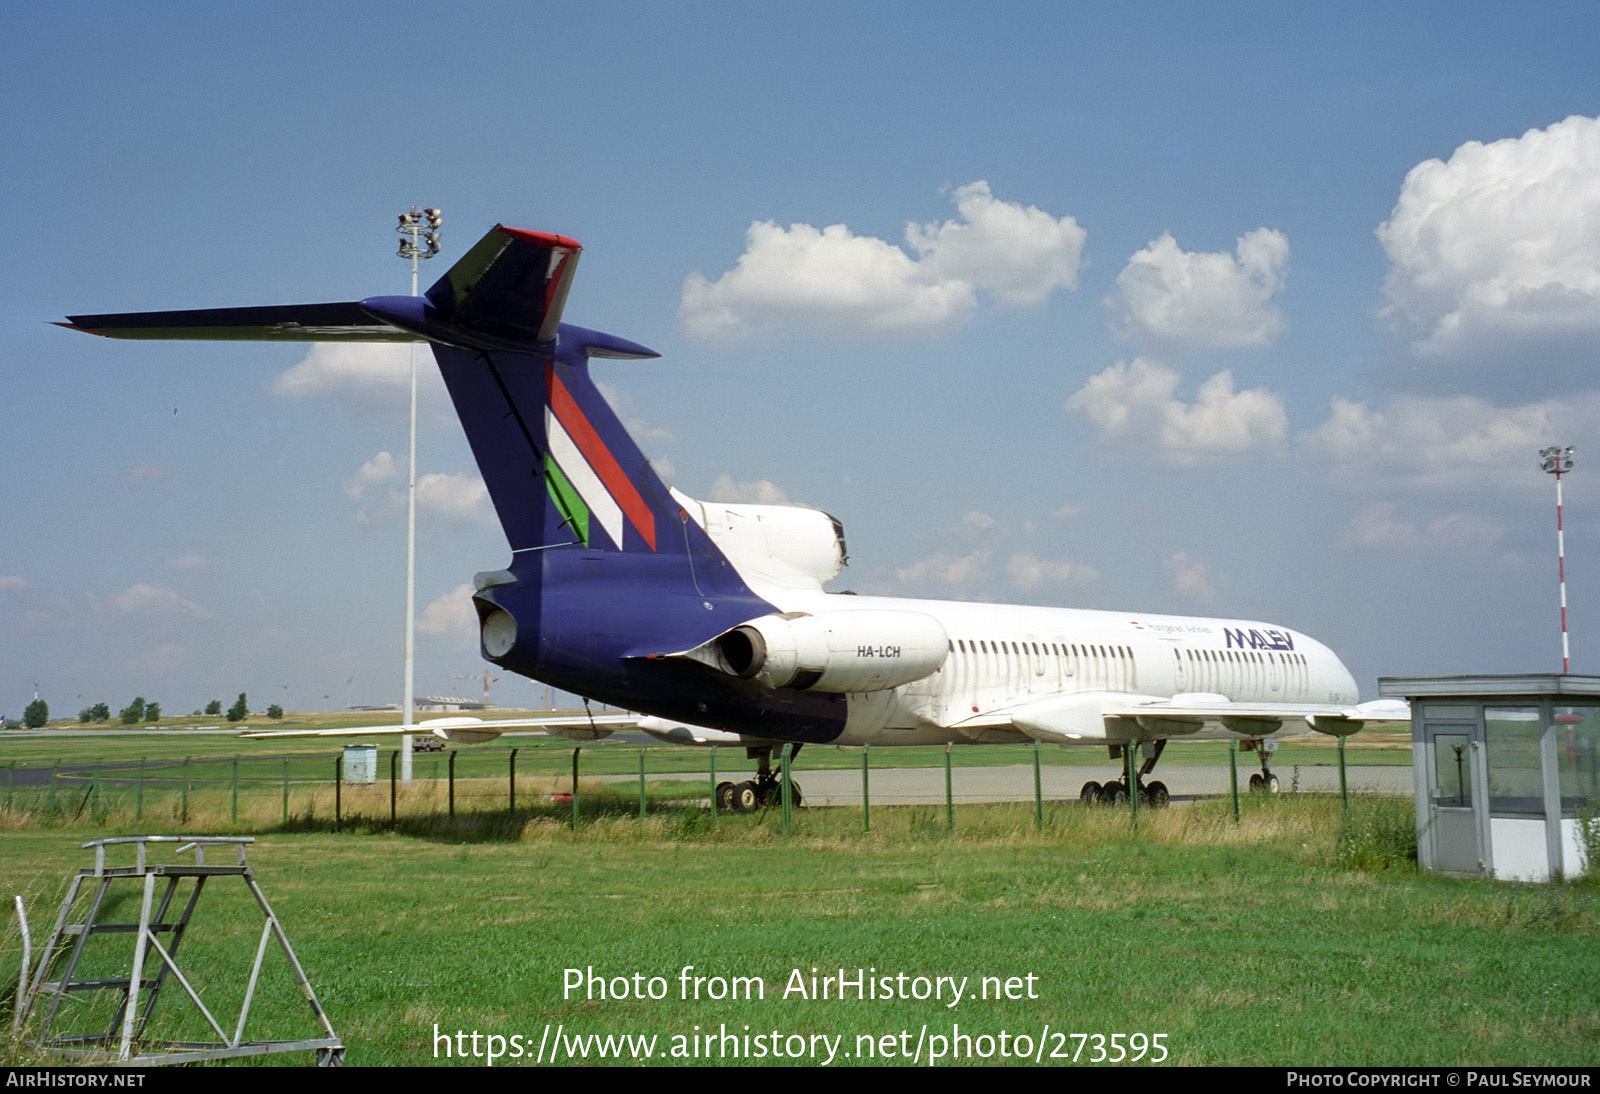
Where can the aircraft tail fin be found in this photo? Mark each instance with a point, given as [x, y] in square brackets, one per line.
[560, 467]
[512, 284]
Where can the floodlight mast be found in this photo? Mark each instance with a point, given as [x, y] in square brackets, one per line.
[419, 239]
[1557, 461]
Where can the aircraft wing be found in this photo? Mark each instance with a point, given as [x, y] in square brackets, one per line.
[469, 731]
[1096, 717]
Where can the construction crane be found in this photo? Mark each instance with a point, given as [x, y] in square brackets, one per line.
[484, 676]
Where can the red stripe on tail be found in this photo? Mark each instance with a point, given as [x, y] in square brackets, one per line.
[576, 423]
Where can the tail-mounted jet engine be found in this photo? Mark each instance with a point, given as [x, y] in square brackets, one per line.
[834, 651]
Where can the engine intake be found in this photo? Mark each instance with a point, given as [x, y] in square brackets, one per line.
[848, 651]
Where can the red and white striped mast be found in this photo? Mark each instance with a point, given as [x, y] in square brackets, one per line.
[1557, 461]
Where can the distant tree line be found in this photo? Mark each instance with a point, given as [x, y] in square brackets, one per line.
[135, 712]
[37, 713]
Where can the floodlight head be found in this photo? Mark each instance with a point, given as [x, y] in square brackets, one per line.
[1556, 460]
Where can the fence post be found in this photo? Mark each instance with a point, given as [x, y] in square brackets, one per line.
[452, 774]
[1038, 789]
[949, 798]
[866, 793]
[394, 784]
[1233, 777]
[1129, 755]
[788, 797]
[713, 786]
[338, 789]
[513, 790]
[575, 788]
[1344, 790]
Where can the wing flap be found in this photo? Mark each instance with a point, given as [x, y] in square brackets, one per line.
[1093, 717]
[468, 731]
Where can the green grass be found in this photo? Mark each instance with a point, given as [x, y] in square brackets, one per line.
[1244, 943]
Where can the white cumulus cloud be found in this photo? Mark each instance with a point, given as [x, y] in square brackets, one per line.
[952, 572]
[143, 599]
[1028, 571]
[1379, 528]
[450, 614]
[1499, 245]
[1458, 442]
[369, 378]
[452, 497]
[1191, 577]
[1179, 300]
[1135, 407]
[759, 492]
[831, 281]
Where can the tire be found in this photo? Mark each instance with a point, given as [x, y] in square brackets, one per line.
[746, 798]
[1090, 794]
[724, 797]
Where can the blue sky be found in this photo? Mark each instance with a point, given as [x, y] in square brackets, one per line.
[1255, 310]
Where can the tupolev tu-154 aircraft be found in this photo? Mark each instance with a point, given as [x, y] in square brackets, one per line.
[711, 619]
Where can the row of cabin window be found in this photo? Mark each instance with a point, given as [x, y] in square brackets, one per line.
[1055, 649]
[1236, 656]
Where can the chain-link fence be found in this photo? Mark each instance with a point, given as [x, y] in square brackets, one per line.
[362, 783]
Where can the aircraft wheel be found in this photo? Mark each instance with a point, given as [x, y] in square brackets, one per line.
[724, 797]
[1256, 782]
[1270, 784]
[746, 798]
[1090, 794]
[1156, 794]
[1115, 793]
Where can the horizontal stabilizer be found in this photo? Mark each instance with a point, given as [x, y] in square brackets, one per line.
[347, 322]
[506, 294]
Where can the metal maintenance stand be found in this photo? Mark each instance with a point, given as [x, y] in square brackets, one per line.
[42, 996]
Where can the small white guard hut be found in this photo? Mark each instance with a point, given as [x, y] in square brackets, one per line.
[1506, 768]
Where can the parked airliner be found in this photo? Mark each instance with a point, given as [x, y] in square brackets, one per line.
[711, 619]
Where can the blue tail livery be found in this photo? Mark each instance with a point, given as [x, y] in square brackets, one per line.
[711, 620]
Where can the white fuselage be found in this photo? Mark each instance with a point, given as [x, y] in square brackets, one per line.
[1003, 657]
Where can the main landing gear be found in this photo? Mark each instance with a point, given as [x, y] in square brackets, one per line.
[1153, 794]
[766, 789]
[1266, 782]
